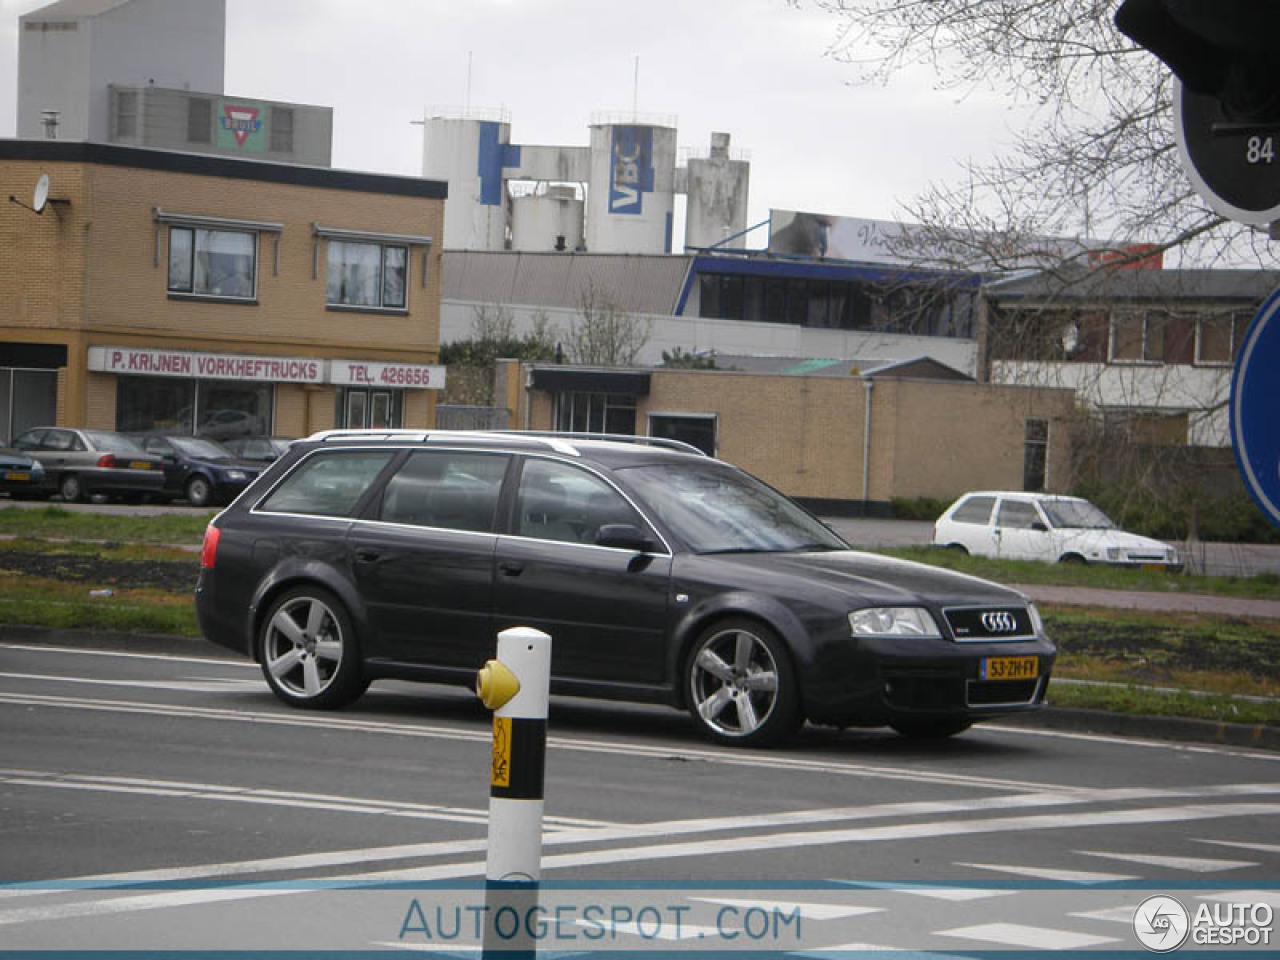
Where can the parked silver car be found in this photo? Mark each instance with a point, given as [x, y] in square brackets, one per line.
[81, 463]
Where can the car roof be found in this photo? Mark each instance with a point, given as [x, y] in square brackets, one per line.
[1017, 494]
[611, 450]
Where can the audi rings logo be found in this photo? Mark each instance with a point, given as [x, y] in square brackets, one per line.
[1161, 924]
[999, 621]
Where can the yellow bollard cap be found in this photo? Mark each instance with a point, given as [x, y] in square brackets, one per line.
[496, 684]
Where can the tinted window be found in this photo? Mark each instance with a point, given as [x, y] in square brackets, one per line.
[1017, 514]
[328, 484]
[458, 491]
[974, 510]
[558, 502]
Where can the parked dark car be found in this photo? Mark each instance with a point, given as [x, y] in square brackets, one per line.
[262, 449]
[200, 471]
[81, 463]
[21, 475]
[661, 575]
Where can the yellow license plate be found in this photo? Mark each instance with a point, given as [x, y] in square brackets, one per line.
[140, 464]
[17, 476]
[1010, 668]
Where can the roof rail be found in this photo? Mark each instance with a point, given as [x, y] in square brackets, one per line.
[558, 440]
[612, 437]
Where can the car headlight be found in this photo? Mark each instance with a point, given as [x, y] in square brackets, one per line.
[893, 622]
[236, 475]
[1114, 553]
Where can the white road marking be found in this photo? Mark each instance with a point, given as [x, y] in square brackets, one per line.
[954, 894]
[1021, 935]
[1190, 864]
[216, 685]
[806, 910]
[1110, 914]
[1046, 873]
[1165, 745]
[1271, 897]
[127, 655]
[121, 902]
[1244, 845]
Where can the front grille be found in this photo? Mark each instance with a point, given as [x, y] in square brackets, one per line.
[990, 693]
[989, 623]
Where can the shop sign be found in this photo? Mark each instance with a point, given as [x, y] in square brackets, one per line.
[207, 366]
[372, 373]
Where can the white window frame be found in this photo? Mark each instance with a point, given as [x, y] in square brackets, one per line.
[167, 220]
[405, 240]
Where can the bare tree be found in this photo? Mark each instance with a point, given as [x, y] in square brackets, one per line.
[605, 335]
[1098, 162]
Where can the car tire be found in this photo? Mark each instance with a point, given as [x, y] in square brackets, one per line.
[199, 491]
[308, 650]
[930, 728]
[740, 684]
[71, 488]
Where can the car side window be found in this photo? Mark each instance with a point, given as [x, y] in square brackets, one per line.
[974, 510]
[449, 489]
[1017, 514]
[31, 440]
[327, 484]
[560, 502]
[60, 440]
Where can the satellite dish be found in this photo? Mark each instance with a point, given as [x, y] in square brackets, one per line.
[41, 196]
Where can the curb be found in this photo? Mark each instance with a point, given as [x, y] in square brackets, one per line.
[1175, 729]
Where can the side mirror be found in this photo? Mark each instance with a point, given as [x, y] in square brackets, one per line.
[624, 536]
[1039, 527]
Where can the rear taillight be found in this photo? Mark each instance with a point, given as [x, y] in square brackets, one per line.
[107, 460]
[209, 552]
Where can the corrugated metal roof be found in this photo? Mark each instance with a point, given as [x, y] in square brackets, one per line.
[1140, 285]
[633, 282]
[71, 9]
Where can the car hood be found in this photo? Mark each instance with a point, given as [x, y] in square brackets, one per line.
[865, 577]
[1112, 538]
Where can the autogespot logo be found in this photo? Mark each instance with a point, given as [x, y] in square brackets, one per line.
[1161, 924]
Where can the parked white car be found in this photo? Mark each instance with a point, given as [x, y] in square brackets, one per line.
[1048, 527]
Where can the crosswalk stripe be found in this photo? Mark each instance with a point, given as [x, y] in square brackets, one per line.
[1021, 935]
[1190, 864]
[808, 911]
[1045, 873]
[1260, 847]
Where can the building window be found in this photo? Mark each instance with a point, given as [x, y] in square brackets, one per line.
[696, 429]
[596, 413]
[1220, 337]
[281, 130]
[126, 114]
[212, 263]
[215, 409]
[1035, 456]
[199, 120]
[367, 274]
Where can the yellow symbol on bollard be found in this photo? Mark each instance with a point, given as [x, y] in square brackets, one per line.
[501, 776]
[496, 684]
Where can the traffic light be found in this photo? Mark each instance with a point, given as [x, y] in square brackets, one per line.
[1225, 49]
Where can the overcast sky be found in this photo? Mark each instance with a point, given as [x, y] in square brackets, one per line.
[755, 69]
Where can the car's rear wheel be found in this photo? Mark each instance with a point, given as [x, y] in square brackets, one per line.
[741, 685]
[307, 645]
[199, 491]
[1071, 558]
[930, 728]
[71, 488]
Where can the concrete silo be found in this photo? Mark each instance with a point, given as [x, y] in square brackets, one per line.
[631, 190]
[471, 154]
[548, 220]
[717, 198]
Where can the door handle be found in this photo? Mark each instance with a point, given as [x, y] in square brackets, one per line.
[511, 568]
[365, 555]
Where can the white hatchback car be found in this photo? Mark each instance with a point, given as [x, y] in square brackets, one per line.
[1043, 526]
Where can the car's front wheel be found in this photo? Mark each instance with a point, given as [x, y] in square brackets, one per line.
[199, 491]
[741, 685]
[930, 728]
[307, 645]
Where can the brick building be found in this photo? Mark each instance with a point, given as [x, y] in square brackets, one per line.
[174, 291]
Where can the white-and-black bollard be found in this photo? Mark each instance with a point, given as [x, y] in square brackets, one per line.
[516, 687]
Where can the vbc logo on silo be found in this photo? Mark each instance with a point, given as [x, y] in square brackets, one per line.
[632, 152]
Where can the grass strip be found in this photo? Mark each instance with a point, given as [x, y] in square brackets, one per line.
[36, 601]
[1157, 703]
[54, 522]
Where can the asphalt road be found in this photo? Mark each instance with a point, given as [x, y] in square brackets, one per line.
[171, 803]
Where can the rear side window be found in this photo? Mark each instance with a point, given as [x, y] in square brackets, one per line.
[327, 484]
[449, 489]
[974, 510]
[1017, 514]
[559, 502]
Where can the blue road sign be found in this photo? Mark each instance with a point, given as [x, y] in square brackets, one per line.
[1255, 409]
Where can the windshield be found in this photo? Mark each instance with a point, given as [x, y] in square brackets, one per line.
[114, 442]
[1076, 513]
[201, 448]
[716, 509]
